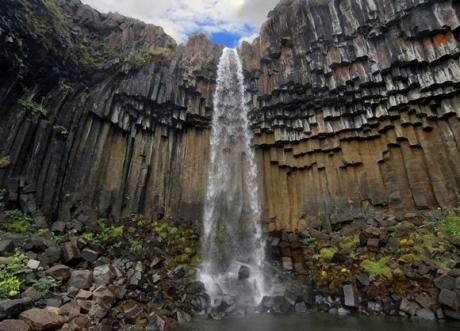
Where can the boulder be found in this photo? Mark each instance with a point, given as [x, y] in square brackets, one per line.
[59, 272]
[445, 282]
[300, 307]
[90, 255]
[81, 279]
[349, 295]
[449, 298]
[33, 264]
[6, 246]
[14, 325]
[71, 251]
[12, 307]
[42, 319]
[102, 275]
[425, 314]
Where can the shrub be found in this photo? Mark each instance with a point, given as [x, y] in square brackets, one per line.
[32, 106]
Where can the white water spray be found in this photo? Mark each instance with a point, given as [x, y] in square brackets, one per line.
[232, 233]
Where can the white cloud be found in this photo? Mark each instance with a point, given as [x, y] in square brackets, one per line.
[180, 18]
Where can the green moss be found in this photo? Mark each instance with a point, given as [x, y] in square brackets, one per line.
[350, 242]
[107, 233]
[32, 106]
[147, 56]
[377, 268]
[5, 162]
[327, 253]
[18, 222]
[308, 241]
[64, 87]
[449, 226]
[136, 246]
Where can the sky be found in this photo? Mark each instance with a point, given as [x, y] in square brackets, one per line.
[226, 22]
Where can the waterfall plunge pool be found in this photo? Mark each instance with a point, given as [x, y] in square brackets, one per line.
[313, 321]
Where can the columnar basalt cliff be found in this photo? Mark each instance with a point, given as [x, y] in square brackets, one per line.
[356, 109]
[119, 114]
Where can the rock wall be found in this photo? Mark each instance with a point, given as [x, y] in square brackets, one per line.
[356, 109]
[123, 128]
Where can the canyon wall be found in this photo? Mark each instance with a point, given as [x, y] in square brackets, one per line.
[117, 125]
[355, 109]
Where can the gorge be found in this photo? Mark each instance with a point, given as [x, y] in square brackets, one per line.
[348, 149]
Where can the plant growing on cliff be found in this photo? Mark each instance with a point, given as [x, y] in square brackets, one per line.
[64, 87]
[32, 106]
[5, 162]
[378, 268]
[449, 226]
[61, 130]
[44, 285]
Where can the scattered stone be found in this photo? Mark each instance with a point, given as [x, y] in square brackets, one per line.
[445, 282]
[155, 323]
[179, 272]
[59, 272]
[14, 325]
[83, 294]
[70, 309]
[342, 311]
[97, 312]
[71, 251]
[408, 307]
[425, 300]
[80, 323]
[452, 314]
[42, 319]
[373, 244]
[156, 278]
[300, 307]
[89, 255]
[58, 227]
[80, 279]
[349, 296]
[51, 255]
[32, 293]
[11, 307]
[244, 272]
[363, 279]
[448, 298]
[33, 264]
[102, 275]
[6, 246]
[425, 314]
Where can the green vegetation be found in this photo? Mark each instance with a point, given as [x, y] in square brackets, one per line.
[44, 285]
[449, 226]
[64, 87]
[61, 130]
[2, 198]
[107, 233]
[327, 253]
[136, 246]
[378, 268]
[308, 241]
[147, 56]
[5, 162]
[11, 273]
[32, 106]
[18, 222]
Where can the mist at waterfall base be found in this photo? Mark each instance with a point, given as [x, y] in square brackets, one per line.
[232, 241]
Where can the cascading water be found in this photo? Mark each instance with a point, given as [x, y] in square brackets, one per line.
[232, 243]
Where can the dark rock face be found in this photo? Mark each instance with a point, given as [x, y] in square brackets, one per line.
[355, 109]
[124, 126]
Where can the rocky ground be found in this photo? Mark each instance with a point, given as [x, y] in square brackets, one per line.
[139, 274]
[407, 267]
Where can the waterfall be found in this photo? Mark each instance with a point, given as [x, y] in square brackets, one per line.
[232, 242]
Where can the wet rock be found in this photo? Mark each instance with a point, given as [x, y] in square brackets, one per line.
[14, 325]
[179, 272]
[42, 319]
[182, 317]
[452, 314]
[409, 307]
[425, 300]
[81, 279]
[349, 295]
[300, 307]
[425, 314]
[287, 263]
[448, 298]
[12, 307]
[244, 272]
[342, 311]
[155, 323]
[59, 272]
[102, 275]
